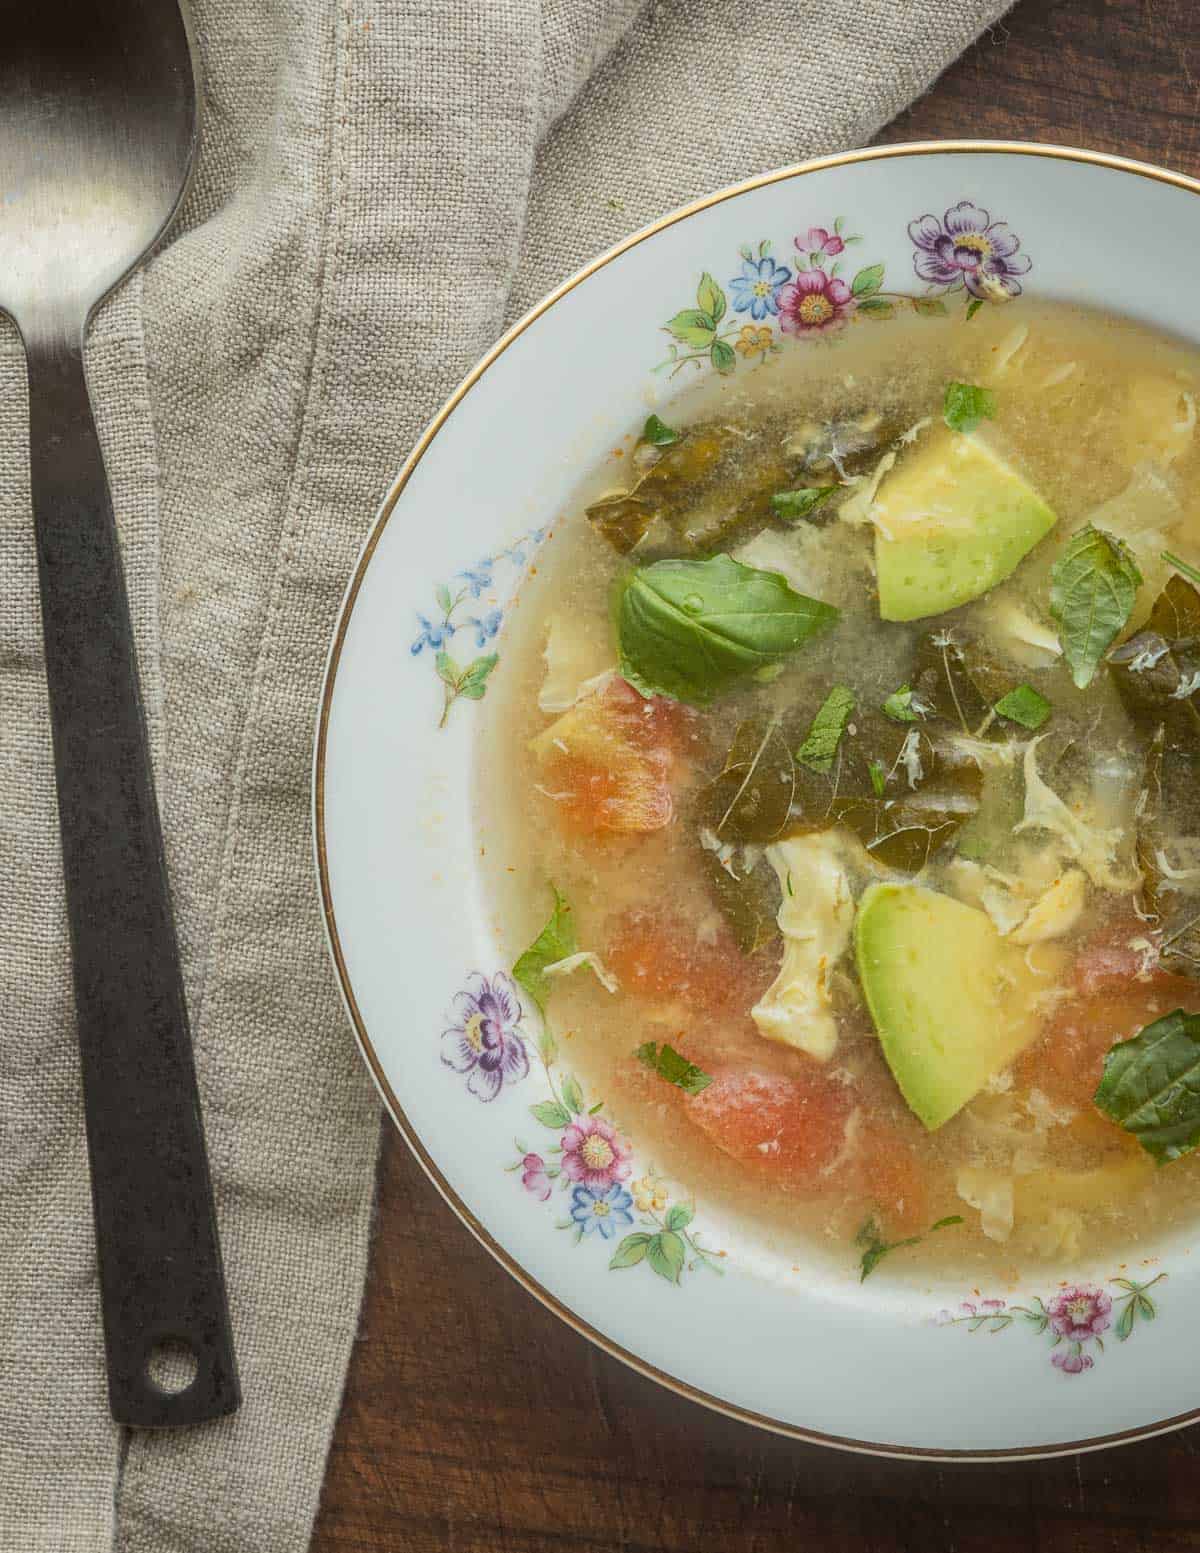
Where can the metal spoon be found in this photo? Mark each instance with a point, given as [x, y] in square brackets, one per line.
[97, 130]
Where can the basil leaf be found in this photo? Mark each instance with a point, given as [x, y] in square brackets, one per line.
[690, 629]
[751, 798]
[748, 900]
[668, 1064]
[825, 734]
[874, 1248]
[658, 434]
[555, 942]
[1024, 705]
[794, 505]
[1151, 1086]
[1093, 586]
[965, 405]
[906, 705]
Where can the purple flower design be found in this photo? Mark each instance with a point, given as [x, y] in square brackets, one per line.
[534, 1178]
[1079, 1314]
[1072, 1360]
[967, 248]
[605, 1209]
[595, 1153]
[486, 1043]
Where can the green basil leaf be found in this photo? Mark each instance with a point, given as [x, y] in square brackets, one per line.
[867, 281]
[874, 1248]
[710, 299]
[794, 505]
[630, 1252]
[828, 726]
[555, 942]
[691, 629]
[692, 327]
[658, 434]
[966, 404]
[1093, 587]
[905, 705]
[1151, 1086]
[751, 798]
[1024, 705]
[666, 1254]
[669, 1065]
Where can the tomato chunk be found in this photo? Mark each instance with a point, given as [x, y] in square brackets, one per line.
[889, 1177]
[660, 956]
[608, 762]
[787, 1128]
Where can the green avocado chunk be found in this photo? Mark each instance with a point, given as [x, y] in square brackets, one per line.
[952, 520]
[952, 1001]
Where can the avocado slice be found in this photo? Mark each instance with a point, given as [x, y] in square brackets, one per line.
[952, 520]
[952, 1001]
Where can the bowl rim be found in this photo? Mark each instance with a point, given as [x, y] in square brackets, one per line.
[395, 1110]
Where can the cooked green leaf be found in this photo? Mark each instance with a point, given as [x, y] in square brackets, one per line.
[875, 1248]
[1189, 572]
[824, 736]
[905, 705]
[1024, 705]
[658, 434]
[748, 899]
[750, 799]
[669, 1065]
[691, 629]
[555, 942]
[966, 404]
[1151, 1086]
[794, 505]
[1093, 587]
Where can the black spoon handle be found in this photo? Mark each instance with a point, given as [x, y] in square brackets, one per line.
[160, 1261]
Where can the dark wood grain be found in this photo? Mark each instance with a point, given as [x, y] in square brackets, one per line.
[475, 1422]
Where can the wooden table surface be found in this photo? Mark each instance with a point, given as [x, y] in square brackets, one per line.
[476, 1422]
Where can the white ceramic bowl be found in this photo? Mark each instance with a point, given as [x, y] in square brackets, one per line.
[893, 1365]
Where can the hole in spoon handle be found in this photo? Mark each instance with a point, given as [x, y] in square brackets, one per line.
[161, 1279]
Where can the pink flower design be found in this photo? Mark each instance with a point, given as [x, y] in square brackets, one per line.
[534, 1178]
[1079, 1314]
[814, 303]
[1071, 1361]
[818, 240]
[594, 1153]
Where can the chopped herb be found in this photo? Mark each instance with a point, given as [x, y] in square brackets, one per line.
[965, 405]
[825, 733]
[691, 629]
[1187, 571]
[668, 1064]
[973, 307]
[1093, 586]
[658, 434]
[1151, 1086]
[874, 1249]
[878, 776]
[905, 705]
[555, 942]
[1024, 705]
[793, 505]
[790, 891]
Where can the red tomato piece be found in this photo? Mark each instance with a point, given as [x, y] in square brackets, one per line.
[790, 1129]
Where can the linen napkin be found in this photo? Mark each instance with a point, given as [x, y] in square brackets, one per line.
[381, 183]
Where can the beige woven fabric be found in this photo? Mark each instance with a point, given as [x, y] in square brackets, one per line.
[381, 182]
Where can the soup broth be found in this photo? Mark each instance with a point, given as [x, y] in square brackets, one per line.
[854, 715]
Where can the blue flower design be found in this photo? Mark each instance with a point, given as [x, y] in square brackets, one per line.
[434, 635]
[756, 289]
[486, 627]
[606, 1210]
[479, 576]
